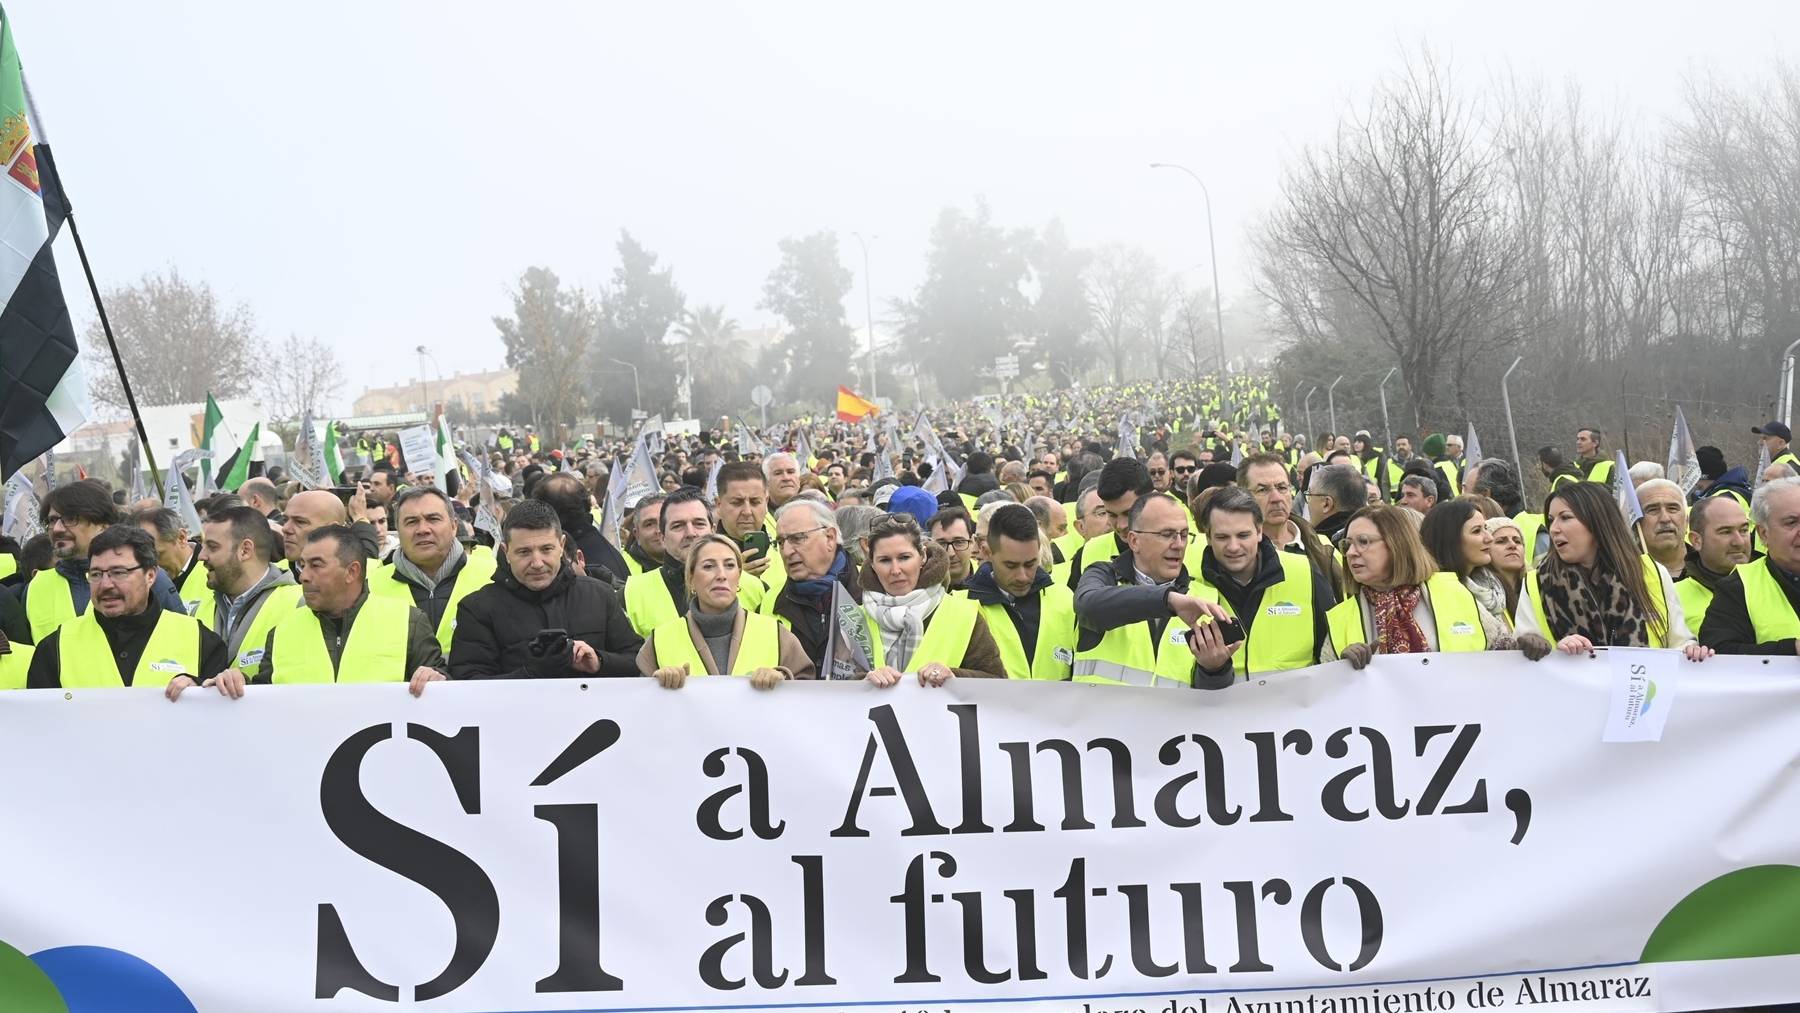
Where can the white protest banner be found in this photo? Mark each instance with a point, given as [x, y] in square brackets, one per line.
[418, 448]
[1436, 832]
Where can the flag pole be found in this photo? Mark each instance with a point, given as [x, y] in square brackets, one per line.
[43, 149]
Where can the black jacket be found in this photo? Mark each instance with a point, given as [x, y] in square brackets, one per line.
[1025, 612]
[597, 551]
[1246, 599]
[975, 485]
[495, 626]
[127, 636]
[1109, 596]
[1333, 527]
[1727, 628]
[807, 619]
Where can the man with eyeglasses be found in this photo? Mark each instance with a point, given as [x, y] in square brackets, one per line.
[124, 638]
[73, 515]
[955, 533]
[1123, 482]
[1335, 492]
[1135, 612]
[656, 596]
[817, 568]
[1157, 464]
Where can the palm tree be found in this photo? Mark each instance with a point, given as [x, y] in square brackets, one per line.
[720, 359]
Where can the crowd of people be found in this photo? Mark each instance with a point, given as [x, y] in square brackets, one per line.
[1158, 535]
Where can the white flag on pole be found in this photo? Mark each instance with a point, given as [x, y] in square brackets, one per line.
[175, 492]
[1472, 450]
[1627, 492]
[1684, 463]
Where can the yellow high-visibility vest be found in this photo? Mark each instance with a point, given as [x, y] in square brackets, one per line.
[86, 660]
[1053, 658]
[760, 648]
[375, 650]
[1457, 615]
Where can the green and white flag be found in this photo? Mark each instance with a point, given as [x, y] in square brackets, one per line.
[239, 472]
[209, 426]
[331, 467]
[446, 452]
[42, 387]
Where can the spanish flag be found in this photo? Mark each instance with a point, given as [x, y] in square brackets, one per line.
[851, 408]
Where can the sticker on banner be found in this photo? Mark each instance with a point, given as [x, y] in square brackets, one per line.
[1643, 693]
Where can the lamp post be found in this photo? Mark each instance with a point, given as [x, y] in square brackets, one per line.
[637, 395]
[1212, 251]
[868, 308]
[1331, 404]
[424, 389]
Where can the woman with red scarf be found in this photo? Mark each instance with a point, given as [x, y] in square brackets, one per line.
[1399, 603]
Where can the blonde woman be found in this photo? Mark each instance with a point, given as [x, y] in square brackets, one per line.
[718, 636]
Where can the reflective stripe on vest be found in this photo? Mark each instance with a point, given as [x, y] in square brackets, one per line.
[1281, 636]
[760, 648]
[1455, 615]
[86, 660]
[1053, 658]
[49, 602]
[946, 637]
[375, 650]
[1126, 657]
[476, 573]
[1770, 614]
[1652, 582]
[15, 665]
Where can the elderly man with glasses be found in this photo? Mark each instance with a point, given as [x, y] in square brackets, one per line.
[818, 570]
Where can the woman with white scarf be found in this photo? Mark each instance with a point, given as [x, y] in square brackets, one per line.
[1455, 533]
[915, 624]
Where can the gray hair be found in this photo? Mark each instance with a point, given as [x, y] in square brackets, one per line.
[1426, 486]
[820, 512]
[992, 496]
[768, 463]
[1040, 507]
[1653, 484]
[1645, 471]
[1343, 483]
[854, 522]
[1759, 501]
[1081, 502]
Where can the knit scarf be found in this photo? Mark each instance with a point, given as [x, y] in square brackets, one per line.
[429, 581]
[818, 587]
[902, 620]
[1583, 600]
[1396, 631]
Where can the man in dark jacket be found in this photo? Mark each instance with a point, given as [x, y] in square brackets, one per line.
[1128, 597]
[575, 512]
[810, 543]
[978, 475]
[535, 591]
[1334, 493]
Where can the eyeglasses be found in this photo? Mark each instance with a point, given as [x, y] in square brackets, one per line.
[796, 539]
[1172, 535]
[1184, 469]
[117, 573]
[955, 544]
[1362, 544]
[1315, 495]
[1281, 488]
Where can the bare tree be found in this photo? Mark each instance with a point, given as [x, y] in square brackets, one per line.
[1398, 226]
[177, 342]
[1120, 282]
[303, 375]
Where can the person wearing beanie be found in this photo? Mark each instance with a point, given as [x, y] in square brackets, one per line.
[1718, 480]
[910, 499]
[1436, 450]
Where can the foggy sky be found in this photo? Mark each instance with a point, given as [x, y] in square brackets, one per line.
[377, 174]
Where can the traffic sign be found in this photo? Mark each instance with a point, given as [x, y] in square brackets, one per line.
[761, 396]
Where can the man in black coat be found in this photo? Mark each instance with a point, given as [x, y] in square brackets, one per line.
[536, 591]
[574, 508]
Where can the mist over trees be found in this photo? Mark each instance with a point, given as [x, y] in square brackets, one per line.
[1449, 227]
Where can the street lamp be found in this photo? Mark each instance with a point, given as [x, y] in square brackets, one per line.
[423, 388]
[868, 308]
[636, 394]
[1212, 250]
